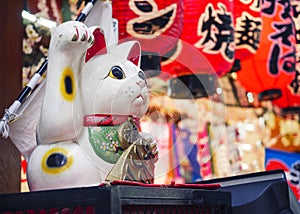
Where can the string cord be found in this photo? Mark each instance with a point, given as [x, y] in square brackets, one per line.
[8, 116]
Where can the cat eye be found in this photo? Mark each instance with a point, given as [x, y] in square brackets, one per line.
[116, 73]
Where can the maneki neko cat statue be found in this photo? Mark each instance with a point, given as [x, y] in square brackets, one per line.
[88, 131]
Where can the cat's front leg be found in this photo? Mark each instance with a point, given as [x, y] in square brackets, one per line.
[61, 117]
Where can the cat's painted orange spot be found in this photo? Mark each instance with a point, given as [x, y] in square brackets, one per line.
[67, 84]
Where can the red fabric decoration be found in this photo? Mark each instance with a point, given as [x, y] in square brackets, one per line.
[272, 68]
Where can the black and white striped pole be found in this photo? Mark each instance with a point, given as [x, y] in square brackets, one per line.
[10, 113]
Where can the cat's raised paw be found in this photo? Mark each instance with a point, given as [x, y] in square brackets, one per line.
[72, 34]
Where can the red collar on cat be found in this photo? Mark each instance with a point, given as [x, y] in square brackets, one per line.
[108, 120]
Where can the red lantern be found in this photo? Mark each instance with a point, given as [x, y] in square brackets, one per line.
[248, 24]
[190, 74]
[272, 68]
[289, 103]
[186, 60]
[206, 49]
[157, 25]
[208, 25]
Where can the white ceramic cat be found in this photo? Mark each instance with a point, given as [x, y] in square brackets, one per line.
[94, 97]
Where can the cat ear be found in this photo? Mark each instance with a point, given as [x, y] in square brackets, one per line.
[99, 46]
[134, 54]
[130, 50]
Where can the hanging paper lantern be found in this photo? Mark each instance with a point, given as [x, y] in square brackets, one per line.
[272, 68]
[157, 25]
[215, 33]
[205, 51]
[288, 99]
[295, 84]
[247, 26]
[208, 25]
[190, 75]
